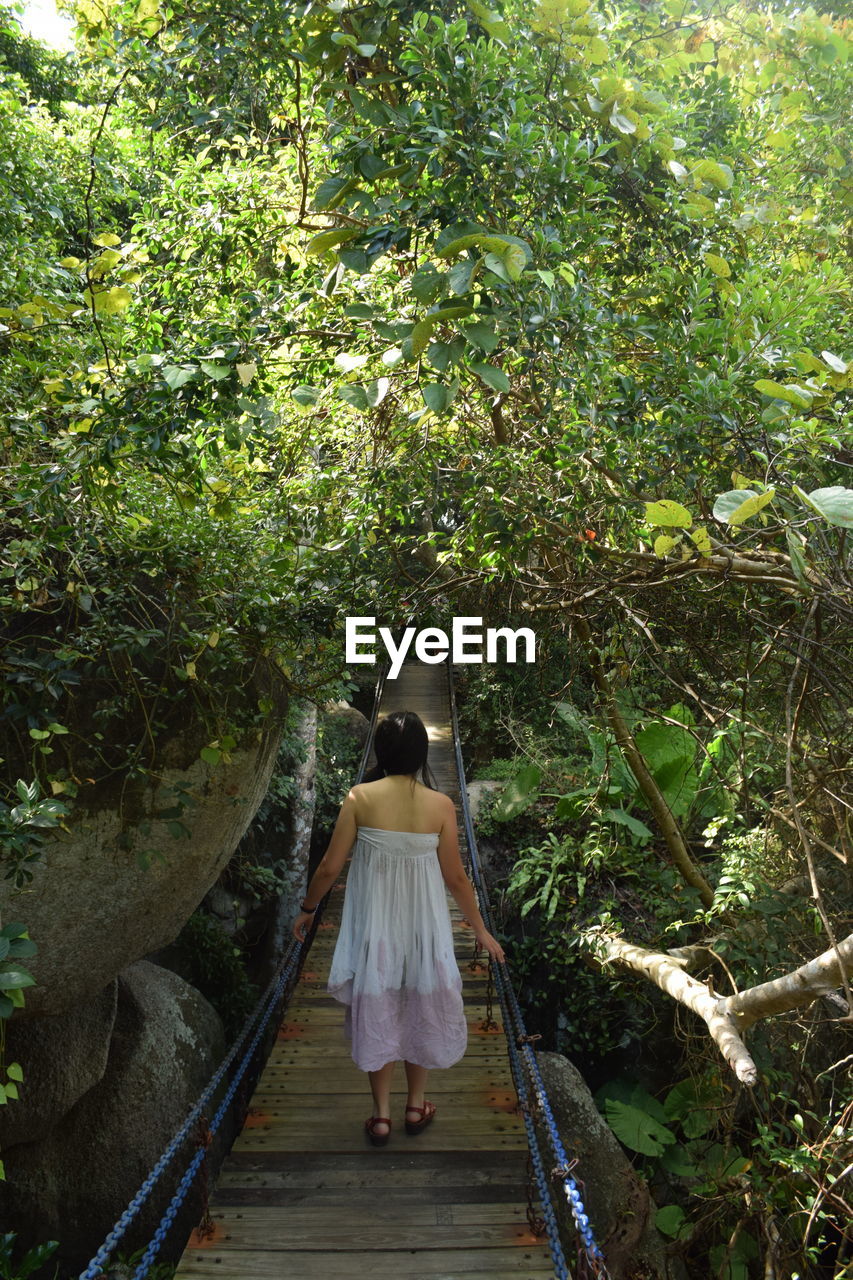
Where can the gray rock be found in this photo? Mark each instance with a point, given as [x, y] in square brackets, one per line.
[350, 719]
[223, 905]
[62, 1057]
[480, 791]
[113, 890]
[73, 1184]
[620, 1209]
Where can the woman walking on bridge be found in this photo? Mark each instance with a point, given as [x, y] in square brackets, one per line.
[394, 966]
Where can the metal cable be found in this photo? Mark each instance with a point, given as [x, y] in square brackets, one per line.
[186, 1181]
[517, 1035]
[268, 999]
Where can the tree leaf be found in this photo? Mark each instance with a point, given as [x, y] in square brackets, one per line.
[323, 241]
[495, 263]
[715, 174]
[110, 302]
[218, 372]
[664, 543]
[799, 397]
[670, 1219]
[701, 540]
[492, 376]
[330, 193]
[353, 393]
[419, 338]
[515, 260]
[668, 514]
[377, 391]
[305, 395]
[637, 1130]
[625, 819]
[738, 505]
[175, 375]
[835, 504]
[622, 123]
[718, 265]
[436, 396]
[347, 361]
[427, 283]
[518, 793]
[482, 336]
[15, 978]
[835, 362]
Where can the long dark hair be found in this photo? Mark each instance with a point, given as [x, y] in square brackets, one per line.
[401, 745]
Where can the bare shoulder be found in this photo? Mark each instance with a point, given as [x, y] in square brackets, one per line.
[444, 806]
[362, 792]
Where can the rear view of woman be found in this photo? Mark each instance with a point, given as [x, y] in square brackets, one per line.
[394, 965]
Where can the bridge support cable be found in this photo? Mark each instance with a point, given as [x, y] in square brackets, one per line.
[530, 1087]
[273, 999]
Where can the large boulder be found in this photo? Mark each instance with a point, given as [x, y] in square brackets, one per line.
[63, 1056]
[73, 1183]
[348, 721]
[620, 1209]
[126, 877]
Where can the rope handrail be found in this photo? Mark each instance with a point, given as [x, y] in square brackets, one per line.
[517, 1038]
[275, 988]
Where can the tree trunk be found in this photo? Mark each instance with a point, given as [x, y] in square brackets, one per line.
[664, 816]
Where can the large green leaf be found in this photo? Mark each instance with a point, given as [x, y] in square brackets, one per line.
[13, 978]
[670, 1219]
[791, 393]
[492, 376]
[835, 504]
[636, 1129]
[518, 793]
[668, 514]
[670, 751]
[739, 505]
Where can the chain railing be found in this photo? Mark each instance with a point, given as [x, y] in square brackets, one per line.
[527, 1078]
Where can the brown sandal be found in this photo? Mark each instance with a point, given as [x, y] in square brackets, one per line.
[426, 1113]
[378, 1139]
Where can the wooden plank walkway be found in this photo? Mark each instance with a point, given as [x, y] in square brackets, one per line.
[303, 1194]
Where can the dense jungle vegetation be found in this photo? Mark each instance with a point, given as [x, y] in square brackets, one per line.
[538, 313]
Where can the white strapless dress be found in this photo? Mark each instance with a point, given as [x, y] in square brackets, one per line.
[394, 965]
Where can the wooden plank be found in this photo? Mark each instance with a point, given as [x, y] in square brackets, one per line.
[437, 1264]
[233, 1224]
[289, 1140]
[452, 1168]
[351, 1233]
[504, 1199]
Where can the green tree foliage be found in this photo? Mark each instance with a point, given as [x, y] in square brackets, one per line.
[539, 310]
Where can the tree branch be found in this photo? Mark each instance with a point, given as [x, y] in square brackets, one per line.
[729, 1017]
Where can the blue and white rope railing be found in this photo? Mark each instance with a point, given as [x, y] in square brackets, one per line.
[525, 1069]
[261, 1014]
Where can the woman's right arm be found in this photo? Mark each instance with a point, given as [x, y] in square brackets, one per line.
[458, 883]
[330, 866]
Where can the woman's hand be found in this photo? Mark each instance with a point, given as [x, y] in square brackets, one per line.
[490, 944]
[302, 921]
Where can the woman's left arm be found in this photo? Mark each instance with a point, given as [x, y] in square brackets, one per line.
[330, 866]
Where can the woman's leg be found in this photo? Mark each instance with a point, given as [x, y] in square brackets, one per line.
[416, 1078]
[380, 1085]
